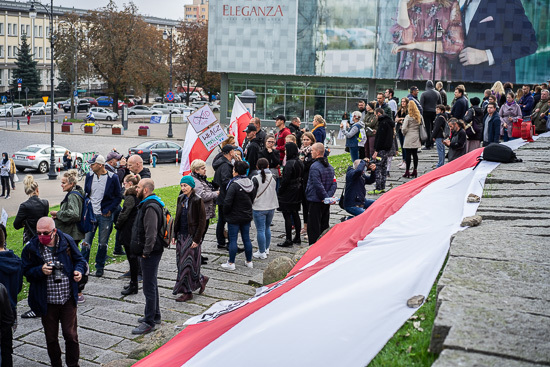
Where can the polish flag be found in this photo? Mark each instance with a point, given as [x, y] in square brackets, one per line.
[240, 118]
[193, 148]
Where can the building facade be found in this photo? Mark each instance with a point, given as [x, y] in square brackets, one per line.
[198, 11]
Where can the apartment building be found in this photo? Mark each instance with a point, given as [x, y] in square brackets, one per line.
[198, 11]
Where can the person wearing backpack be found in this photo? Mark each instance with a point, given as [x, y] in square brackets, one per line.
[103, 189]
[148, 244]
[438, 133]
[474, 127]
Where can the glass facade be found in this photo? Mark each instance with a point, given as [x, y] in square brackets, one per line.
[297, 98]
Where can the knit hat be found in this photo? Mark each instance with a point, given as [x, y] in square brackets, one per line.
[188, 180]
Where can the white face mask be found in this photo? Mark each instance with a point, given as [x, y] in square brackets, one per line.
[233, 161]
[117, 164]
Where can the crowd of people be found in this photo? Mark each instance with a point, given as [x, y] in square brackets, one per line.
[286, 172]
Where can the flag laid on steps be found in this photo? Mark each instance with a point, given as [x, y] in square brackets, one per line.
[240, 118]
[193, 148]
[348, 294]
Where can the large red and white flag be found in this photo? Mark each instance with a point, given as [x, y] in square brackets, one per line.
[348, 294]
[193, 148]
[240, 118]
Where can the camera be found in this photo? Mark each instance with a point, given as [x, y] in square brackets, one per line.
[57, 271]
[374, 161]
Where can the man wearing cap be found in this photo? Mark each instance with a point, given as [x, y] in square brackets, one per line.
[224, 174]
[103, 189]
[252, 149]
[413, 96]
[281, 135]
[112, 165]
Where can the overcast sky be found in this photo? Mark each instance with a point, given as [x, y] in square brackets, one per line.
[171, 9]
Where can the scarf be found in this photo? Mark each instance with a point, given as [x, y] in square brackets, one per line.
[510, 103]
[203, 179]
[320, 125]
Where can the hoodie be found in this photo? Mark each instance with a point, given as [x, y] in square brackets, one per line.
[11, 275]
[430, 98]
[237, 205]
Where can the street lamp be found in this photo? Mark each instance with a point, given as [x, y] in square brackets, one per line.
[438, 33]
[52, 175]
[165, 36]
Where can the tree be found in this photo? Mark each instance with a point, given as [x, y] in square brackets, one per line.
[26, 70]
[115, 38]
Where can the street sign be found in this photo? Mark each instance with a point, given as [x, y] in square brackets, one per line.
[82, 91]
[4, 99]
[27, 90]
[75, 93]
[45, 99]
[19, 81]
[19, 88]
[169, 96]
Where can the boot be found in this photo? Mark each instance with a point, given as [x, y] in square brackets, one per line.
[414, 174]
[287, 243]
[132, 289]
[297, 240]
[407, 174]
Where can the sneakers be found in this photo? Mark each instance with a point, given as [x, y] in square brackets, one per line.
[249, 264]
[119, 253]
[403, 165]
[81, 299]
[99, 273]
[142, 319]
[143, 328]
[260, 255]
[228, 266]
[267, 251]
[8, 197]
[376, 192]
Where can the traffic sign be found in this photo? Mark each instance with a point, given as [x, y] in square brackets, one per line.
[19, 81]
[45, 99]
[75, 93]
[27, 90]
[4, 99]
[169, 96]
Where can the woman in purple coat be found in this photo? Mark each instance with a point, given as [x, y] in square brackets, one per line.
[509, 113]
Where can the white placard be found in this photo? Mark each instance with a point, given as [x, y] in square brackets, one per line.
[213, 136]
[4, 217]
[202, 118]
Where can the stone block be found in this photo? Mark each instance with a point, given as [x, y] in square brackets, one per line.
[277, 269]
[126, 362]
[473, 221]
[459, 358]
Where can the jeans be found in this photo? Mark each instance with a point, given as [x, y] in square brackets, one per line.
[105, 225]
[354, 152]
[356, 210]
[440, 152]
[233, 233]
[262, 220]
[149, 269]
[66, 314]
[220, 226]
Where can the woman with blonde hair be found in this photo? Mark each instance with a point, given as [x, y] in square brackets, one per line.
[319, 131]
[31, 210]
[498, 91]
[411, 131]
[68, 215]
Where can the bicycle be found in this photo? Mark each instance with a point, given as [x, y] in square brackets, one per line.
[86, 120]
[83, 168]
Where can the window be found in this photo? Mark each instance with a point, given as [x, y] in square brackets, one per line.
[22, 29]
[1, 29]
[9, 29]
[35, 33]
[14, 30]
[34, 50]
[48, 53]
[1, 77]
[27, 29]
[15, 51]
[9, 51]
[39, 31]
[1, 50]
[39, 52]
[47, 31]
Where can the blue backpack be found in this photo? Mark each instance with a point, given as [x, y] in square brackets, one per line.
[87, 217]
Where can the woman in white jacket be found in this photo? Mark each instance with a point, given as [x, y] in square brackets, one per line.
[264, 207]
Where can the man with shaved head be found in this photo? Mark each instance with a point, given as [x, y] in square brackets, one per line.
[320, 185]
[53, 266]
[135, 165]
[147, 243]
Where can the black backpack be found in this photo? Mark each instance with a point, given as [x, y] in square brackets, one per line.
[495, 152]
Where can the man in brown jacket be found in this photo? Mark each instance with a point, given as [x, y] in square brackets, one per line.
[540, 113]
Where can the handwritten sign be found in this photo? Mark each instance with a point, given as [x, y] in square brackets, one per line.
[202, 118]
[213, 136]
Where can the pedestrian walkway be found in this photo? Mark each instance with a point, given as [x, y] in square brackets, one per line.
[107, 318]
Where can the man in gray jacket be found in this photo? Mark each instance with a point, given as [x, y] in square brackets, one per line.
[429, 99]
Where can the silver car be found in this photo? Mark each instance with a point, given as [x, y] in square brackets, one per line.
[182, 106]
[143, 110]
[166, 109]
[41, 108]
[14, 109]
[101, 113]
[37, 156]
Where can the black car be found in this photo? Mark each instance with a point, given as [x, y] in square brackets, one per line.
[165, 151]
[82, 105]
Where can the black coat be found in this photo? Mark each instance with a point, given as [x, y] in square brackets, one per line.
[196, 217]
[224, 173]
[126, 218]
[272, 158]
[383, 139]
[290, 189]
[30, 211]
[237, 206]
[475, 117]
[252, 154]
[296, 131]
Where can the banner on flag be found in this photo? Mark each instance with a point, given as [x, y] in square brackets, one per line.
[212, 136]
[193, 148]
[159, 119]
[240, 118]
[202, 118]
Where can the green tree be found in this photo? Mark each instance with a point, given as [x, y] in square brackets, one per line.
[26, 70]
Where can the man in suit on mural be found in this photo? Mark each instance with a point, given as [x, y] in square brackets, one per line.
[497, 33]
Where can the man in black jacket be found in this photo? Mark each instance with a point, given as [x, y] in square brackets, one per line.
[429, 99]
[252, 151]
[135, 165]
[461, 105]
[7, 319]
[295, 129]
[474, 125]
[355, 202]
[147, 243]
[224, 174]
[382, 145]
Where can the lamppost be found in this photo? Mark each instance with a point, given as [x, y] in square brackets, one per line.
[52, 175]
[438, 32]
[165, 36]
[75, 63]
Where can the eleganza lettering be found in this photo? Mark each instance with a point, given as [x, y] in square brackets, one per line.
[252, 11]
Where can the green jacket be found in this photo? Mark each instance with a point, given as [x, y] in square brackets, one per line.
[69, 215]
[371, 120]
[538, 117]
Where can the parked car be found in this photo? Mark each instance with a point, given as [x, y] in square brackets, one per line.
[193, 97]
[80, 105]
[143, 110]
[104, 101]
[121, 103]
[186, 110]
[166, 109]
[41, 108]
[101, 113]
[14, 109]
[61, 103]
[93, 101]
[159, 99]
[164, 151]
[37, 156]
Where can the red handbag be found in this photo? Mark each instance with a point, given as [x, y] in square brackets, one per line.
[516, 128]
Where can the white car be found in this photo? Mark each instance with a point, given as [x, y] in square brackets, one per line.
[166, 109]
[183, 107]
[14, 109]
[143, 110]
[41, 109]
[101, 113]
[37, 156]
